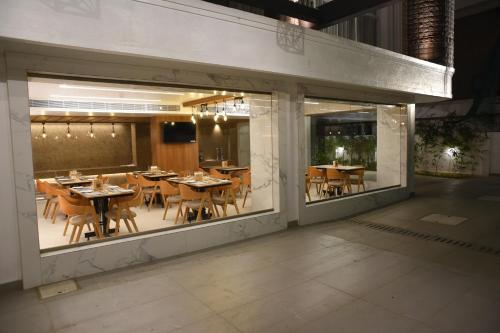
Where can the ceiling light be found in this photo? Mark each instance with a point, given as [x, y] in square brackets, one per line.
[44, 135]
[68, 133]
[91, 132]
[107, 98]
[70, 86]
[309, 102]
[113, 133]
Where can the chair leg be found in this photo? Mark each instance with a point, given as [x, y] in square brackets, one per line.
[53, 217]
[45, 207]
[245, 198]
[72, 234]
[198, 217]
[66, 226]
[167, 204]
[79, 234]
[178, 212]
[132, 220]
[127, 225]
[216, 210]
[186, 213]
[235, 203]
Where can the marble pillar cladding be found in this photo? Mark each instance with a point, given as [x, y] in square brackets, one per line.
[404, 121]
[388, 146]
[261, 152]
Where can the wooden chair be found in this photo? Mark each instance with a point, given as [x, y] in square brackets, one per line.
[246, 181]
[79, 216]
[335, 180]
[308, 185]
[216, 174]
[193, 200]
[54, 192]
[120, 209]
[358, 179]
[40, 187]
[148, 188]
[132, 180]
[317, 177]
[228, 197]
[170, 195]
[76, 201]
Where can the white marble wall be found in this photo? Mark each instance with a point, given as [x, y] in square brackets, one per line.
[261, 152]
[389, 141]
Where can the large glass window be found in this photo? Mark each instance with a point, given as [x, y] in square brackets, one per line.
[116, 160]
[352, 148]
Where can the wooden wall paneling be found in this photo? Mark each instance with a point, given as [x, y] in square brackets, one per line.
[172, 156]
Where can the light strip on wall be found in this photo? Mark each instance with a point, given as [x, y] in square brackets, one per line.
[70, 86]
[108, 98]
[68, 112]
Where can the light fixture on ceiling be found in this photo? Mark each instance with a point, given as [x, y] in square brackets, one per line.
[310, 102]
[68, 133]
[206, 109]
[44, 134]
[216, 115]
[91, 132]
[70, 86]
[201, 111]
[224, 111]
[172, 123]
[193, 118]
[113, 133]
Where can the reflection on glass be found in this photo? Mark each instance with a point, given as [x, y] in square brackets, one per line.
[352, 148]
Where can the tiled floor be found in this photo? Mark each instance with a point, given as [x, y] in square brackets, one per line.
[333, 277]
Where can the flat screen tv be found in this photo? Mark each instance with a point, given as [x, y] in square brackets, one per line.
[179, 132]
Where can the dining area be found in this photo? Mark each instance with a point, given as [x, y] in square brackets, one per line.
[75, 209]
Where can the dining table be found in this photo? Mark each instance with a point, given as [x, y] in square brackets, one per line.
[345, 169]
[100, 200]
[206, 184]
[67, 181]
[231, 170]
[156, 176]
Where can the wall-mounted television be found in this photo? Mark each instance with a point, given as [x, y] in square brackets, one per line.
[179, 132]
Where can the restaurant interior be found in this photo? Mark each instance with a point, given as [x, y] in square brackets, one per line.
[352, 148]
[116, 159]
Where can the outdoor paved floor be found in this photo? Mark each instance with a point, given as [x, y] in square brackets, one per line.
[332, 277]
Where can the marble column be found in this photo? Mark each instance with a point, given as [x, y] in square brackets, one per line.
[388, 146]
[261, 152]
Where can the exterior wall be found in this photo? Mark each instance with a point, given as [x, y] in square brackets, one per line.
[126, 40]
[185, 31]
[10, 258]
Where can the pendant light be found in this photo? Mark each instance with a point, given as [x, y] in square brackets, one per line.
[193, 118]
[113, 133]
[206, 109]
[44, 135]
[68, 133]
[216, 115]
[201, 111]
[91, 133]
[224, 111]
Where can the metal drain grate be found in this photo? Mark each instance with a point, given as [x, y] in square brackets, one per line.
[428, 237]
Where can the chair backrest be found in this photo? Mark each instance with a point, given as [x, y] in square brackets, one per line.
[143, 182]
[246, 178]
[216, 174]
[315, 172]
[70, 209]
[188, 194]
[360, 172]
[127, 201]
[235, 184]
[40, 186]
[168, 189]
[334, 174]
[54, 190]
[131, 179]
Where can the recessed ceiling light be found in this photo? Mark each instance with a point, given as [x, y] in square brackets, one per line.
[309, 102]
[70, 86]
[107, 98]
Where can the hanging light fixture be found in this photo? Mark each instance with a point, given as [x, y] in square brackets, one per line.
[206, 109]
[91, 133]
[216, 115]
[44, 135]
[193, 118]
[68, 133]
[224, 111]
[113, 133]
[201, 111]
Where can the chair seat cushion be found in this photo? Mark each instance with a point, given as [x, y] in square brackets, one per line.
[194, 204]
[174, 198]
[78, 219]
[124, 214]
[218, 200]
